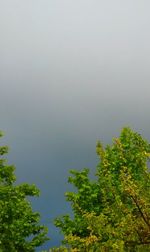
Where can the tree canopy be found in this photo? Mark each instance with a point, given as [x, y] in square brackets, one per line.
[20, 229]
[109, 213]
[112, 212]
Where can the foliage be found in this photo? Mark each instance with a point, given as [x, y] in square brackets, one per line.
[19, 225]
[60, 249]
[111, 213]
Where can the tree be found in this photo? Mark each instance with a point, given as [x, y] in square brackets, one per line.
[20, 229]
[111, 213]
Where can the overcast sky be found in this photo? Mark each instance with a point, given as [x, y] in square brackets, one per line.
[71, 72]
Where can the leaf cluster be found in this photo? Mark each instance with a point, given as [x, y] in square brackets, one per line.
[111, 213]
[20, 228]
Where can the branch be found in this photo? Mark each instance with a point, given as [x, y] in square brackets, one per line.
[140, 211]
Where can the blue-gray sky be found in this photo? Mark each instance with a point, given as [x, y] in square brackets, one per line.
[71, 72]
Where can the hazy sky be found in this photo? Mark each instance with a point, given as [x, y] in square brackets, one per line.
[71, 72]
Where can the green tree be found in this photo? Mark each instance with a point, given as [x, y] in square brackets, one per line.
[20, 229]
[111, 213]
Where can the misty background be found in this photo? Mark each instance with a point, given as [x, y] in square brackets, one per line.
[71, 73]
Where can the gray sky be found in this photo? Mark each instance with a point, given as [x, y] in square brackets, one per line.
[71, 72]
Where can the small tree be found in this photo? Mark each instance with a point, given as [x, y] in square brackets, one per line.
[112, 213]
[19, 225]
